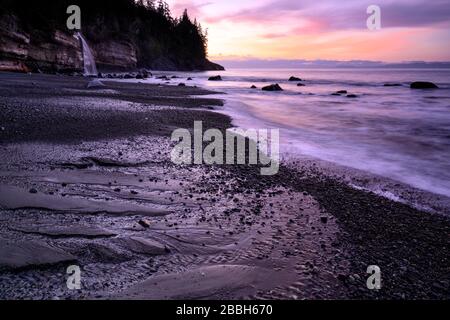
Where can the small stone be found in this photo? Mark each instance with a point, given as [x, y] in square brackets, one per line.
[144, 223]
[33, 190]
[423, 85]
[215, 78]
[323, 219]
[272, 87]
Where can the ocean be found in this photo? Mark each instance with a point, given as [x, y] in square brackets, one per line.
[394, 131]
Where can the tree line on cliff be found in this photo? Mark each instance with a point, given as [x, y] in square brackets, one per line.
[147, 24]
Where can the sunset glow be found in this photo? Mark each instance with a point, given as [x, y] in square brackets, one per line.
[290, 29]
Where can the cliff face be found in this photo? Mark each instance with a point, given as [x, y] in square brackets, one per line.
[21, 52]
[60, 51]
[114, 55]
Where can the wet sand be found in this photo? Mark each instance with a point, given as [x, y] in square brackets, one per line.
[86, 179]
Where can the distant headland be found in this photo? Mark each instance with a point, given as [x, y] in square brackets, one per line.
[123, 35]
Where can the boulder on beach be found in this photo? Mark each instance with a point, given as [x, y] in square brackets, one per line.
[215, 78]
[294, 79]
[96, 83]
[145, 74]
[423, 85]
[272, 87]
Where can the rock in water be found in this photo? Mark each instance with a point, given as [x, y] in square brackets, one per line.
[253, 87]
[215, 78]
[272, 87]
[352, 96]
[423, 85]
[392, 85]
[300, 85]
[341, 92]
[96, 83]
[182, 84]
[294, 79]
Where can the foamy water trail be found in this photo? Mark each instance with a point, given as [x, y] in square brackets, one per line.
[394, 132]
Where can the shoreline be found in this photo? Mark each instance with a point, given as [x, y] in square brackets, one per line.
[311, 233]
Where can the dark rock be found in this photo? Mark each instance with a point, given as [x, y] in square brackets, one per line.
[215, 78]
[341, 92]
[323, 219]
[272, 87]
[145, 74]
[253, 87]
[392, 85]
[96, 83]
[300, 85]
[33, 190]
[352, 96]
[189, 79]
[144, 223]
[423, 85]
[181, 84]
[335, 94]
[128, 76]
[294, 79]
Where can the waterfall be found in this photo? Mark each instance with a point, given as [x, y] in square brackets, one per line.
[90, 69]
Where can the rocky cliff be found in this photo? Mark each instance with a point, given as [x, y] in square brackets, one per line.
[25, 49]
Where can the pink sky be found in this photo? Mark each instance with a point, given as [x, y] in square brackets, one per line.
[323, 29]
